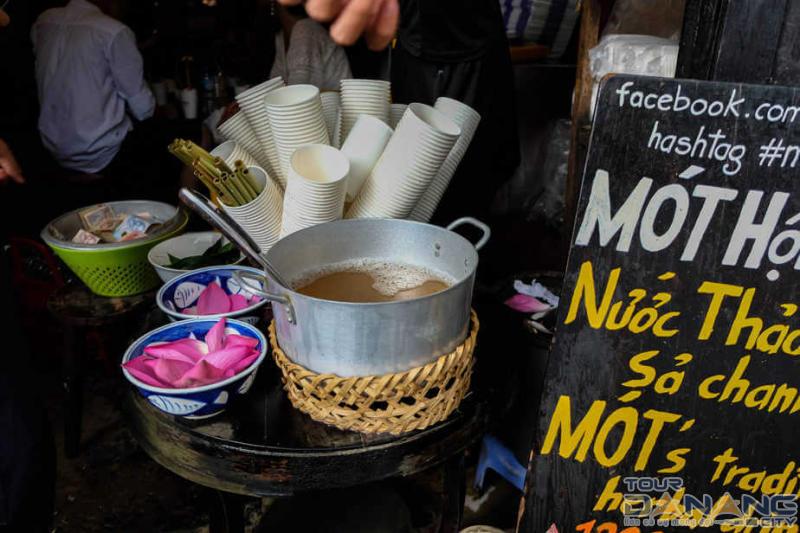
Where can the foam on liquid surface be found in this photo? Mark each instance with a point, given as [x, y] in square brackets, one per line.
[389, 279]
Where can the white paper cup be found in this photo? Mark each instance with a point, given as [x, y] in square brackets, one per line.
[257, 117]
[237, 128]
[410, 162]
[230, 152]
[396, 113]
[296, 119]
[251, 103]
[260, 218]
[316, 187]
[330, 110]
[363, 147]
[468, 120]
[291, 96]
[363, 97]
[257, 92]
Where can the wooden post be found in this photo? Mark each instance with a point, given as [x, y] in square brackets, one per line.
[581, 108]
[738, 40]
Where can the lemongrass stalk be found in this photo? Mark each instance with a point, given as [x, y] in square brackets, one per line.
[234, 188]
[248, 176]
[209, 169]
[175, 149]
[207, 180]
[246, 193]
[233, 196]
[198, 152]
[245, 183]
[220, 164]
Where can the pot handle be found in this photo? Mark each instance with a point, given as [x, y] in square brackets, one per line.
[243, 278]
[487, 232]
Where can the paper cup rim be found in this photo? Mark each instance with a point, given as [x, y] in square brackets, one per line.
[291, 95]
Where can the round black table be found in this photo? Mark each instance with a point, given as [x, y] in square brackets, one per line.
[80, 312]
[262, 446]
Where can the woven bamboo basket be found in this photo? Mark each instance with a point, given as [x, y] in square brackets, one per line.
[393, 403]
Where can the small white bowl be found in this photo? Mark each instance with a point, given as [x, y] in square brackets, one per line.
[185, 245]
[183, 292]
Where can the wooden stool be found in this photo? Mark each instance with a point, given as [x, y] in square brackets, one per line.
[81, 314]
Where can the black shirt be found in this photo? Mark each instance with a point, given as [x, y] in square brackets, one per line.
[449, 30]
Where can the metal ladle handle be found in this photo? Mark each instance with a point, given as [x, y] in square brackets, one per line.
[230, 228]
[206, 209]
[244, 279]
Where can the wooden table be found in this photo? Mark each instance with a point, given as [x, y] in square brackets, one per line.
[262, 446]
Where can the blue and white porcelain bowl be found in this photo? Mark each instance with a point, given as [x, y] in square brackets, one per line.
[180, 293]
[196, 402]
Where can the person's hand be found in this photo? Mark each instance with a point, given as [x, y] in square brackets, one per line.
[377, 19]
[9, 168]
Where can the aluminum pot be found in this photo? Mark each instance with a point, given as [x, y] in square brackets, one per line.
[362, 339]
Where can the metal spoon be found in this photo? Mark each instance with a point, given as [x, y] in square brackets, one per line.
[228, 227]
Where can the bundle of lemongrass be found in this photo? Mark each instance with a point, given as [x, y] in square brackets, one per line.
[234, 187]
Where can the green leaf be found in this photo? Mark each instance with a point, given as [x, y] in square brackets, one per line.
[214, 248]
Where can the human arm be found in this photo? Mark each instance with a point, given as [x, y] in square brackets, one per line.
[127, 69]
[9, 168]
[377, 19]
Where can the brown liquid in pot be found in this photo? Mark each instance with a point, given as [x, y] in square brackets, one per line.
[371, 281]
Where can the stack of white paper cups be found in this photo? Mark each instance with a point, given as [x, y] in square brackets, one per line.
[295, 116]
[467, 119]
[251, 102]
[396, 113]
[230, 152]
[363, 147]
[316, 186]
[364, 97]
[330, 110]
[237, 128]
[410, 162]
[261, 217]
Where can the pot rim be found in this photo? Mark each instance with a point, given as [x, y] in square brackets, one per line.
[452, 288]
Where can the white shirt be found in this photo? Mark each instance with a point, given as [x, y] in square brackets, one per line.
[89, 73]
[312, 58]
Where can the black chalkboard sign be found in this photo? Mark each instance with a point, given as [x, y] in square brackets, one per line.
[674, 378]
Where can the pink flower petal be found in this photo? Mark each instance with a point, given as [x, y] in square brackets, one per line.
[526, 304]
[143, 371]
[187, 350]
[215, 338]
[170, 371]
[213, 301]
[244, 363]
[238, 302]
[227, 357]
[190, 311]
[240, 340]
[200, 374]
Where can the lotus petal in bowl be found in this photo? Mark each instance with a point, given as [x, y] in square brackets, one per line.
[196, 402]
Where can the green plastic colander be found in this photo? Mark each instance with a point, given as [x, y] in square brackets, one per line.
[114, 269]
